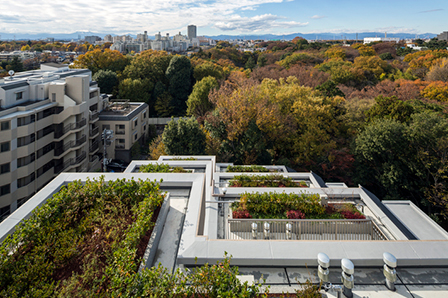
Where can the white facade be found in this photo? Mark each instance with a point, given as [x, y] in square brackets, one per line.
[383, 39]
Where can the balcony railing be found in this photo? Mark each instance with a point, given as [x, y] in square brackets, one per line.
[94, 131]
[95, 115]
[120, 146]
[303, 229]
[71, 126]
[120, 132]
[94, 147]
[70, 162]
[61, 149]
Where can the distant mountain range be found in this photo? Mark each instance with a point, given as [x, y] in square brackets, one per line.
[309, 36]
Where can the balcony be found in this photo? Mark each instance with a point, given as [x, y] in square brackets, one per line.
[94, 147]
[94, 132]
[70, 162]
[120, 132]
[71, 126]
[119, 146]
[94, 116]
[58, 151]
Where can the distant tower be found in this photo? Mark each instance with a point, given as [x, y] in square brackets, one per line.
[191, 32]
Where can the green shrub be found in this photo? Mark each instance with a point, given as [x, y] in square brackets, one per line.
[273, 180]
[275, 205]
[161, 168]
[243, 169]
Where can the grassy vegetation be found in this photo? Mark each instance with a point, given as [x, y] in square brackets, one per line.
[247, 169]
[265, 181]
[293, 206]
[162, 168]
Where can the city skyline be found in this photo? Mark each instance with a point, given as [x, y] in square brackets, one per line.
[218, 17]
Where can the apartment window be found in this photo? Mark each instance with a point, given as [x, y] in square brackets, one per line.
[45, 168]
[26, 140]
[4, 211]
[24, 161]
[106, 126]
[135, 137]
[19, 95]
[26, 180]
[41, 152]
[5, 125]
[4, 147]
[121, 126]
[26, 120]
[121, 141]
[144, 114]
[135, 123]
[53, 97]
[5, 189]
[43, 132]
[4, 168]
[45, 113]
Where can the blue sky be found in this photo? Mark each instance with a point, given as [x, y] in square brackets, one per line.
[232, 17]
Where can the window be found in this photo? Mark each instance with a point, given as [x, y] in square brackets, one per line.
[121, 141]
[135, 137]
[135, 123]
[45, 168]
[5, 125]
[24, 161]
[19, 95]
[4, 168]
[106, 126]
[4, 147]
[26, 180]
[26, 140]
[4, 212]
[41, 152]
[144, 114]
[121, 126]
[5, 189]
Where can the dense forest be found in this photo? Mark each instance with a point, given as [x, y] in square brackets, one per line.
[374, 115]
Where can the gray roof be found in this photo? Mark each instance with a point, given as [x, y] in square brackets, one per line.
[13, 85]
[121, 117]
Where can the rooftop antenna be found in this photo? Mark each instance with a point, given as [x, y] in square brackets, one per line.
[11, 73]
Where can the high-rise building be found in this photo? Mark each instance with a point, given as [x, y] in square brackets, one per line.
[443, 36]
[192, 32]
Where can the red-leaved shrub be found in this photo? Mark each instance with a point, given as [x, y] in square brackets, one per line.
[241, 214]
[352, 215]
[295, 214]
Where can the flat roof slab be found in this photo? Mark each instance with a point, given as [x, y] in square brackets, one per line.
[417, 221]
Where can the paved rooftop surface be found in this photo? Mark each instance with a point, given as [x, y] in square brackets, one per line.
[417, 221]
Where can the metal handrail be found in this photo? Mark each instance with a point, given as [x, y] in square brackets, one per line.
[94, 131]
[304, 229]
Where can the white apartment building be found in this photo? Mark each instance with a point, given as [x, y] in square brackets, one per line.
[47, 126]
[383, 39]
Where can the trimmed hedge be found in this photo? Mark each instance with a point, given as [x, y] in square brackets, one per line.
[243, 169]
[272, 180]
[161, 168]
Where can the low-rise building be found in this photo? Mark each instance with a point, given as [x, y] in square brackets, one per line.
[129, 122]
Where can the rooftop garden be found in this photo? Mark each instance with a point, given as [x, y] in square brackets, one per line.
[162, 168]
[88, 241]
[290, 206]
[184, 158]
[272, 180]
[247, 169]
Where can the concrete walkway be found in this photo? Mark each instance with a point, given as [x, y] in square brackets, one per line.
[169, 241]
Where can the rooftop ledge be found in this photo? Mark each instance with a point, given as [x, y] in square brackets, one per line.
[417, 240]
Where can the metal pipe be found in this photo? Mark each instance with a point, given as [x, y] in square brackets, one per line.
[390, 263]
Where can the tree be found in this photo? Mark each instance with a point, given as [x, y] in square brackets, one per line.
[366, 51]
[198, 103]
[25, 48]
[107, 80]
[438, 72]
[330, 89]
[184, 137]
[179, 74]
[261, 62]
[208, 69]
[391, 108]
[98, 60]
[386, 56]
[15, 65]
[135, 90]
[250, 64]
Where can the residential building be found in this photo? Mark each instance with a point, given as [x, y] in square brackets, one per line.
[92, 39]
[22, 55]
[129, 122]
[443, 36]
[192, 31]
[48, 126]
[108, 38]
[383, 39]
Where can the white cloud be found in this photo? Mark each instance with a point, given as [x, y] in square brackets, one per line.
[256, 23]
[57, 16]
[316, 17]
